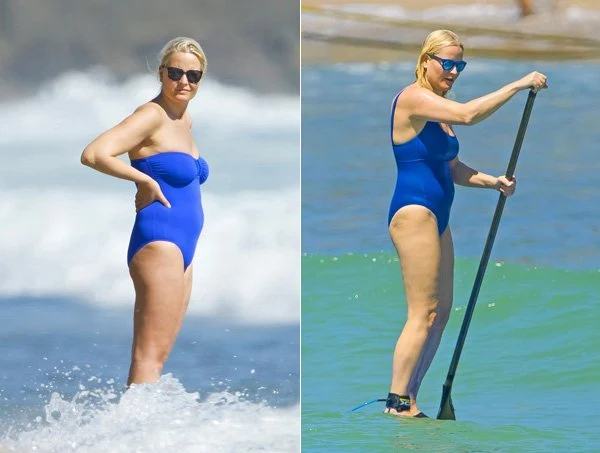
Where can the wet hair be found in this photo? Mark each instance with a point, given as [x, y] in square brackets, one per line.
[185, 45]
[435, 41]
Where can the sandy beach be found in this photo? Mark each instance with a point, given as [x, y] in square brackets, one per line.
[558, 5]
[387, 30]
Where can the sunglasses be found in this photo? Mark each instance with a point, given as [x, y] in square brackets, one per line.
[175, 74]
[447, 65]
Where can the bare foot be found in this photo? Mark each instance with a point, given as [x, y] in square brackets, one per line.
[412, 412]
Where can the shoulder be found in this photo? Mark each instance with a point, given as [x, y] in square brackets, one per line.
[150, 111]
[411, 94]
[146, 117]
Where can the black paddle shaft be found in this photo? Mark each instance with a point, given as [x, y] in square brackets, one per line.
[487, 251]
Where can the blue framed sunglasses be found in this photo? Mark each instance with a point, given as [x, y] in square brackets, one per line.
[447, 65]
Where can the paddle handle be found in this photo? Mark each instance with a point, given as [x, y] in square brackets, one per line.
[512, 164]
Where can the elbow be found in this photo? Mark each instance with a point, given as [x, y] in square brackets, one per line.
[469, 118]
[470, 115]
[88, 158]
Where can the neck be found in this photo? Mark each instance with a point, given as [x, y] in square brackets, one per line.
[429, 86]
[173, 108]
[439, 92]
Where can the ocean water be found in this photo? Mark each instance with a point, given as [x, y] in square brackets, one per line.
[66, 298]
[527, 378]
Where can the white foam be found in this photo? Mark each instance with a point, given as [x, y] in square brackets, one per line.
[80, 105]
[74, 243]
[161, 417]
[236, 130]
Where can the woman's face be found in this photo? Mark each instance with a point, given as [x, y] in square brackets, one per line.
[177, 67]
[441, 81]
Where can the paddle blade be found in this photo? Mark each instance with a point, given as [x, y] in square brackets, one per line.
[446, 411]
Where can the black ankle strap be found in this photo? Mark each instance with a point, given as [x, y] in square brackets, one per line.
[400, 403]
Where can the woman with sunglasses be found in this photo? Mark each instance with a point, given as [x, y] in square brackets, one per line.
[426, 152]
[167, 170]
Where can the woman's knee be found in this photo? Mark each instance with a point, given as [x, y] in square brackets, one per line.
[424, 317]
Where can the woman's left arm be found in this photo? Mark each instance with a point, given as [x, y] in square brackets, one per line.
[463, 175]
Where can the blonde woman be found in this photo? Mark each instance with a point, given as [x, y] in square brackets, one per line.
[426, 152]
[167, 170]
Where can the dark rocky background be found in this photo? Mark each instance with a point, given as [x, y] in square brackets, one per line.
[251, 43]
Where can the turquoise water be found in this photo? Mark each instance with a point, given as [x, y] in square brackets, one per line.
[529, 372]
[527, 379]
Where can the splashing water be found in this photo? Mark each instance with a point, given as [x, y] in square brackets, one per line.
[156, 418]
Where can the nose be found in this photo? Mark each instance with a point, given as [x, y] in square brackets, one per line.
[454, 70]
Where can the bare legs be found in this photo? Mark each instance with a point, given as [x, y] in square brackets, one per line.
[427, 262]
[162, 295]
[446, 289]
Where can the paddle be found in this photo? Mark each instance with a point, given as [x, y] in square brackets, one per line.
[446, 411]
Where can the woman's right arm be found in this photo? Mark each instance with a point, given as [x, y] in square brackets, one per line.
[426, 105]
[101, 154]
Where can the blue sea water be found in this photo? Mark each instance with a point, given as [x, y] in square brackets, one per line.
[348, 171]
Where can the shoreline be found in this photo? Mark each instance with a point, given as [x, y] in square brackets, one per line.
[344, 31]
[558, 5]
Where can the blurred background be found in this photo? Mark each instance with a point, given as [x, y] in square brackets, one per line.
[252, 44]
[386, 30]
[68, 71]
[533, 334]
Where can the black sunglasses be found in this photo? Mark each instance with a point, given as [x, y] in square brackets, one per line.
[175, 74]
[447, 65]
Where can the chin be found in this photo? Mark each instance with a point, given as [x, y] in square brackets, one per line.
[184, 96]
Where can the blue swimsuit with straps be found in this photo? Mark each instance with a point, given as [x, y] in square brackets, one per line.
[424, 176]
[179, 176]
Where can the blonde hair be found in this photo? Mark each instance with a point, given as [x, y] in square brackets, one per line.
[435, 41]
[185, 45]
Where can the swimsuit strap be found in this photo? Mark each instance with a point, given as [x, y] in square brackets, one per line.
[392, 115]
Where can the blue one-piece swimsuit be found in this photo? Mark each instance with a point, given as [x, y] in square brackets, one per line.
[424, 176]
[179, 176]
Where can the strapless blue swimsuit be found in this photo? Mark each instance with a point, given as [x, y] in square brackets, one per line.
[424, 176]
[179, 176]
